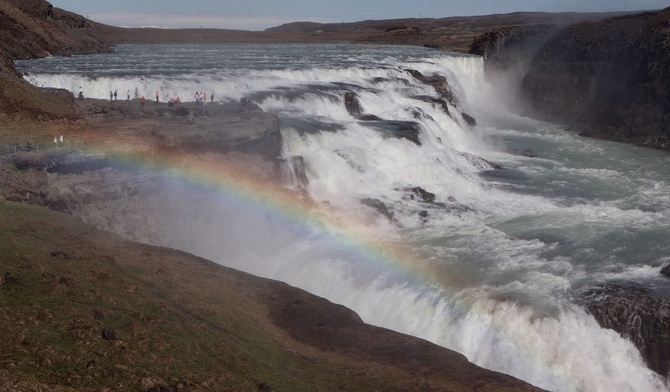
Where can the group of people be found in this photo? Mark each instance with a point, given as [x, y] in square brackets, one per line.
[112, 95]
[201, 98]
[58, 141]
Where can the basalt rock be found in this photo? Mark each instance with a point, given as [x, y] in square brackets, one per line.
[437, 101]
[352, 104]
[390, 128]
[510, 48]
[380, 206]
[665, 271]
[469, 119]
[438, 82]
[606, 79]
[292, 172]
[420, 193]
[637, 315]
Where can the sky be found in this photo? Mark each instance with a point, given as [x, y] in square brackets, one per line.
[260, 14]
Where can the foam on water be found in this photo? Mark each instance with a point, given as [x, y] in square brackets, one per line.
[489, 268]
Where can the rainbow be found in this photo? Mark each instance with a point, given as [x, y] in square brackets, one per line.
[355, 235]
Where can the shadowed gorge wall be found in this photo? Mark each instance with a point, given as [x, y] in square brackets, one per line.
[607, 79]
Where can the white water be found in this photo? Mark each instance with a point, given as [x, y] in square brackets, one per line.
[504, 254]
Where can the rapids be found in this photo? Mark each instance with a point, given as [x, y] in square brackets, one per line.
[524, 215]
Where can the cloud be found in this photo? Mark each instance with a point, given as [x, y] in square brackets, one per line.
[176, 21]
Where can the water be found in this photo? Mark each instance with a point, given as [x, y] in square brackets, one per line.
[489, 268]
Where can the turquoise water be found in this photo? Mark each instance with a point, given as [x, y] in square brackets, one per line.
[495, 261]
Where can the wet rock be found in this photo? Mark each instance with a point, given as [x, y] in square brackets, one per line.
[368, 117]
[637, 315]
[666, 270]
[421, 194]
[91, 364]
[352, 104]
[292, 172]
[436, 101]
[469, 119]
[480, 162]
[380, 206]
[438, 82]
[398, 129]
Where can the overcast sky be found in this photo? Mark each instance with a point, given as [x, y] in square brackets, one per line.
[261, 14]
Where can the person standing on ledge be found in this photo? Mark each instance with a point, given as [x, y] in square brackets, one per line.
[158, 96]
[111, 96]
[128, 96]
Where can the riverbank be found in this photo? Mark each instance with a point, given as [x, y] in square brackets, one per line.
[101, 312]
[117, 169]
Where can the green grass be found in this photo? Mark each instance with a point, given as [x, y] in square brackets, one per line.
[52, 317]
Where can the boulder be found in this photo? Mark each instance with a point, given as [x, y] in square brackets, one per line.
[438, 82]
[469, 119]
[437, 101]
[420, 193]
[380, 206]
[665, 271]
[352, 104]
[637, 315]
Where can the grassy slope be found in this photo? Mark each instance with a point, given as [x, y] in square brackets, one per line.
[175, 317]
[186, 321]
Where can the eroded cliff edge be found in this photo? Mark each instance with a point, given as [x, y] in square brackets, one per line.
[85, 310]
[608, 79]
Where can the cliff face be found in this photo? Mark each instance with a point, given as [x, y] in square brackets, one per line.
[608, 79]
[33, 28]
[29, 29]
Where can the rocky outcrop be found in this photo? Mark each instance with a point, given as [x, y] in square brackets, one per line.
[37, 8]
[319, 323]
[409, 130]
[606, 79]
[637, 315]
[438, 82]
[511, 47]
[187, 127]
